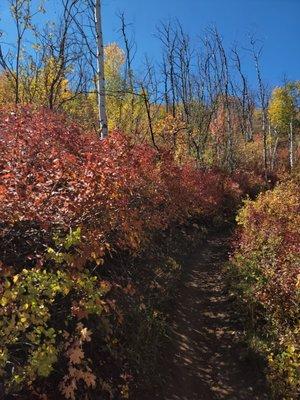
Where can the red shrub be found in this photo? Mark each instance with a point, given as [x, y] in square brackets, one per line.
[55, 176]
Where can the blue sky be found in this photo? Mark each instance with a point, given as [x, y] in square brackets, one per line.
[275, 22]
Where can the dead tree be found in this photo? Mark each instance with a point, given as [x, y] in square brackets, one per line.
[168, 37]
[263, 102]
[244, 97]
[130, 51]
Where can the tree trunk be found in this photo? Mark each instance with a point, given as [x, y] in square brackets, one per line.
[265, 144]
[17, 98]
[291, 145]
[274, 152]
[100, 72]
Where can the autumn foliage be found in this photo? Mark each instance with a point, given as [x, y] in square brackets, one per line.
[60, 178]
[67, 202]
[267, 272]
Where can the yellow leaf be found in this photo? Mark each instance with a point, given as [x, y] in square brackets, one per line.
[4, 301]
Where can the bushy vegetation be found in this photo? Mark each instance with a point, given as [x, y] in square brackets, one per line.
[56, 177]
[266, 267]
[93, 232]
[69, 204]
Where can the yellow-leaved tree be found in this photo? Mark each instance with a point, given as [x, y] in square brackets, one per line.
[123, 108]
[282, 112]
[45, 86]
[6, 89]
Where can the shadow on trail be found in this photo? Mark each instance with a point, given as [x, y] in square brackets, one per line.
[206, 361]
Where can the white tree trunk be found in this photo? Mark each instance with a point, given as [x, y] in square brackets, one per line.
[273, 154]
[100, 72]
[291, 146]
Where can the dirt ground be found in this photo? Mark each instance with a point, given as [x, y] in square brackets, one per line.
[206, 360]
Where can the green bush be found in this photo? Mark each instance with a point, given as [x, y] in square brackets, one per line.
[40, 323]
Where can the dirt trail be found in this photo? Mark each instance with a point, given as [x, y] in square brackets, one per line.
[206, 361]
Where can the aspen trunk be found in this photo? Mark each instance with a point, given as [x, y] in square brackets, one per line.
[291, 145]
[274, 152]
[100, 72]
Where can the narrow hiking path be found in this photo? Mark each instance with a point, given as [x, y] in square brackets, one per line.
[206, 360]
